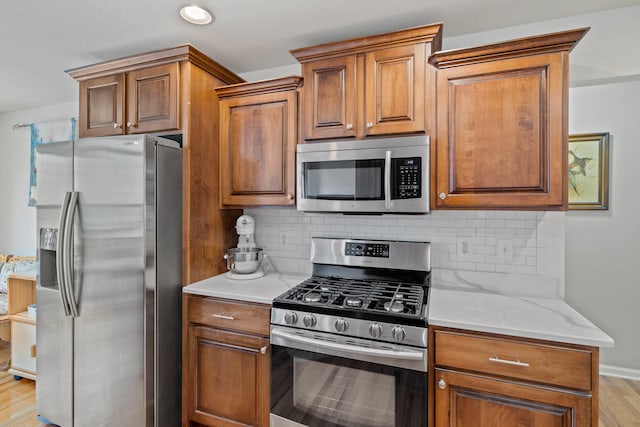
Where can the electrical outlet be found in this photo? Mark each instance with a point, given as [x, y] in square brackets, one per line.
[283, 238]
[504, 250]
[465, 249]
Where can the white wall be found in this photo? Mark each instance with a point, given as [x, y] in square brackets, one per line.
[603, 247]
[17, 220]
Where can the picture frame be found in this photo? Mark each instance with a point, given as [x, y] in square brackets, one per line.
[589, 171]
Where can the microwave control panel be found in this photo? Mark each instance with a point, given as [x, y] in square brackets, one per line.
[375, 250]
[407, 178]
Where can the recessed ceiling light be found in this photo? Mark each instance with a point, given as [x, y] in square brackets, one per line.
[196, 15]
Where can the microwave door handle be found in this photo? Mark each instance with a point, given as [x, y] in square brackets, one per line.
[346, 349]
[387, 179]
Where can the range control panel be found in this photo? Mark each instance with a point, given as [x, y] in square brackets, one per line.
[375, 250]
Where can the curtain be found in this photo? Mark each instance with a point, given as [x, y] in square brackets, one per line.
[44, 133]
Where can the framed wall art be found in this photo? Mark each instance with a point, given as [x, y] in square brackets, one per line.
[589, 171]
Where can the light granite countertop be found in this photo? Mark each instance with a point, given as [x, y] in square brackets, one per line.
[458, 304]
[454, 301]
[262, 290]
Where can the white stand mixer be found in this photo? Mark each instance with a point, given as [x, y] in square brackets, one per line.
[244, 261]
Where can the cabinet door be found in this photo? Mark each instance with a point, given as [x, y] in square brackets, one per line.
[228, 378]
[257, 149]
[330, 98]
[463, 400]
[501, 137]
[395, 90]
[101, 106]
[152, 99]
[23, 346]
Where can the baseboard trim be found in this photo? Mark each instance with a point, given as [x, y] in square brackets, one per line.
[616, 371]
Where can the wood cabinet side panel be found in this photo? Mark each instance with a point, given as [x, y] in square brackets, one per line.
[207, 230]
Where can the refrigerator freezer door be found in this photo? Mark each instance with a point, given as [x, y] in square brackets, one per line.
[109, 253]
[54, 334]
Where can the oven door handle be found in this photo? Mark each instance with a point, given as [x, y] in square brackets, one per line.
[410, 355]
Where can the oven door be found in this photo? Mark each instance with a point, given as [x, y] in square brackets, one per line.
[322, 380]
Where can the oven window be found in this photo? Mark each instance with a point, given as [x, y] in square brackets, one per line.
[344, 180]
[319, 390]
[342, 395]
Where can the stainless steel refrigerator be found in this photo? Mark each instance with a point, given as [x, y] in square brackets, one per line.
[108, 291]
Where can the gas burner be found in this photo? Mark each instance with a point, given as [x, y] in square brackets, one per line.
[353, 301]
[312, 297]
[396, 307]
[356, 293]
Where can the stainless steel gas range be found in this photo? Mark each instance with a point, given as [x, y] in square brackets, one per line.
[349, 344]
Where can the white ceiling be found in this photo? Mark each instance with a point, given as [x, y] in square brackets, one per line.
[40, 39]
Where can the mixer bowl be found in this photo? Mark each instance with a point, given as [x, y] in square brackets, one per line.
[243, 260]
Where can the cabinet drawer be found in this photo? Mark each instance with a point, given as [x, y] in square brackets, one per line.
[245, 317]
[544, 363]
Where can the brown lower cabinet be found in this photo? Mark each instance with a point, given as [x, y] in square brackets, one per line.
[466, 400]
[226, 363]
[486, 380]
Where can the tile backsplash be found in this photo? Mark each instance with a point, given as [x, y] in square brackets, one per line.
[522, 243]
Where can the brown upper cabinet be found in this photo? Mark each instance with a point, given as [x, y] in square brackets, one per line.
[138, 101]
[171, 91]
[502, 113]
[258, 136]
[369, 86]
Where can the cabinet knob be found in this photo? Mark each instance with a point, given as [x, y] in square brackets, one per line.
[263, 350]
[442, 196]
[369, 125]
[117, 126]
[289, 196]
[131, 125]
[349, 126]
[442, 385]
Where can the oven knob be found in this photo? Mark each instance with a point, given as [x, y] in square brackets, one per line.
[398, 333]
[375, 330]
[341, 325]
[290, 318]
[309, 320]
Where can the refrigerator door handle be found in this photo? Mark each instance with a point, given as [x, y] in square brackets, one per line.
[68, 253]
[60, 252]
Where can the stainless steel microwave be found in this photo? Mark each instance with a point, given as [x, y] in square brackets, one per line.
[369, 176]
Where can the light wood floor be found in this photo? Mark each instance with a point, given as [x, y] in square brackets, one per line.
[619, 400]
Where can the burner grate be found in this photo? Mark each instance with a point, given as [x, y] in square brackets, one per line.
[374, 296]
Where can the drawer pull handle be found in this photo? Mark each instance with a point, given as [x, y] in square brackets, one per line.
[223, 316]
[509, 362]
[263, 350]
[442, 384]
